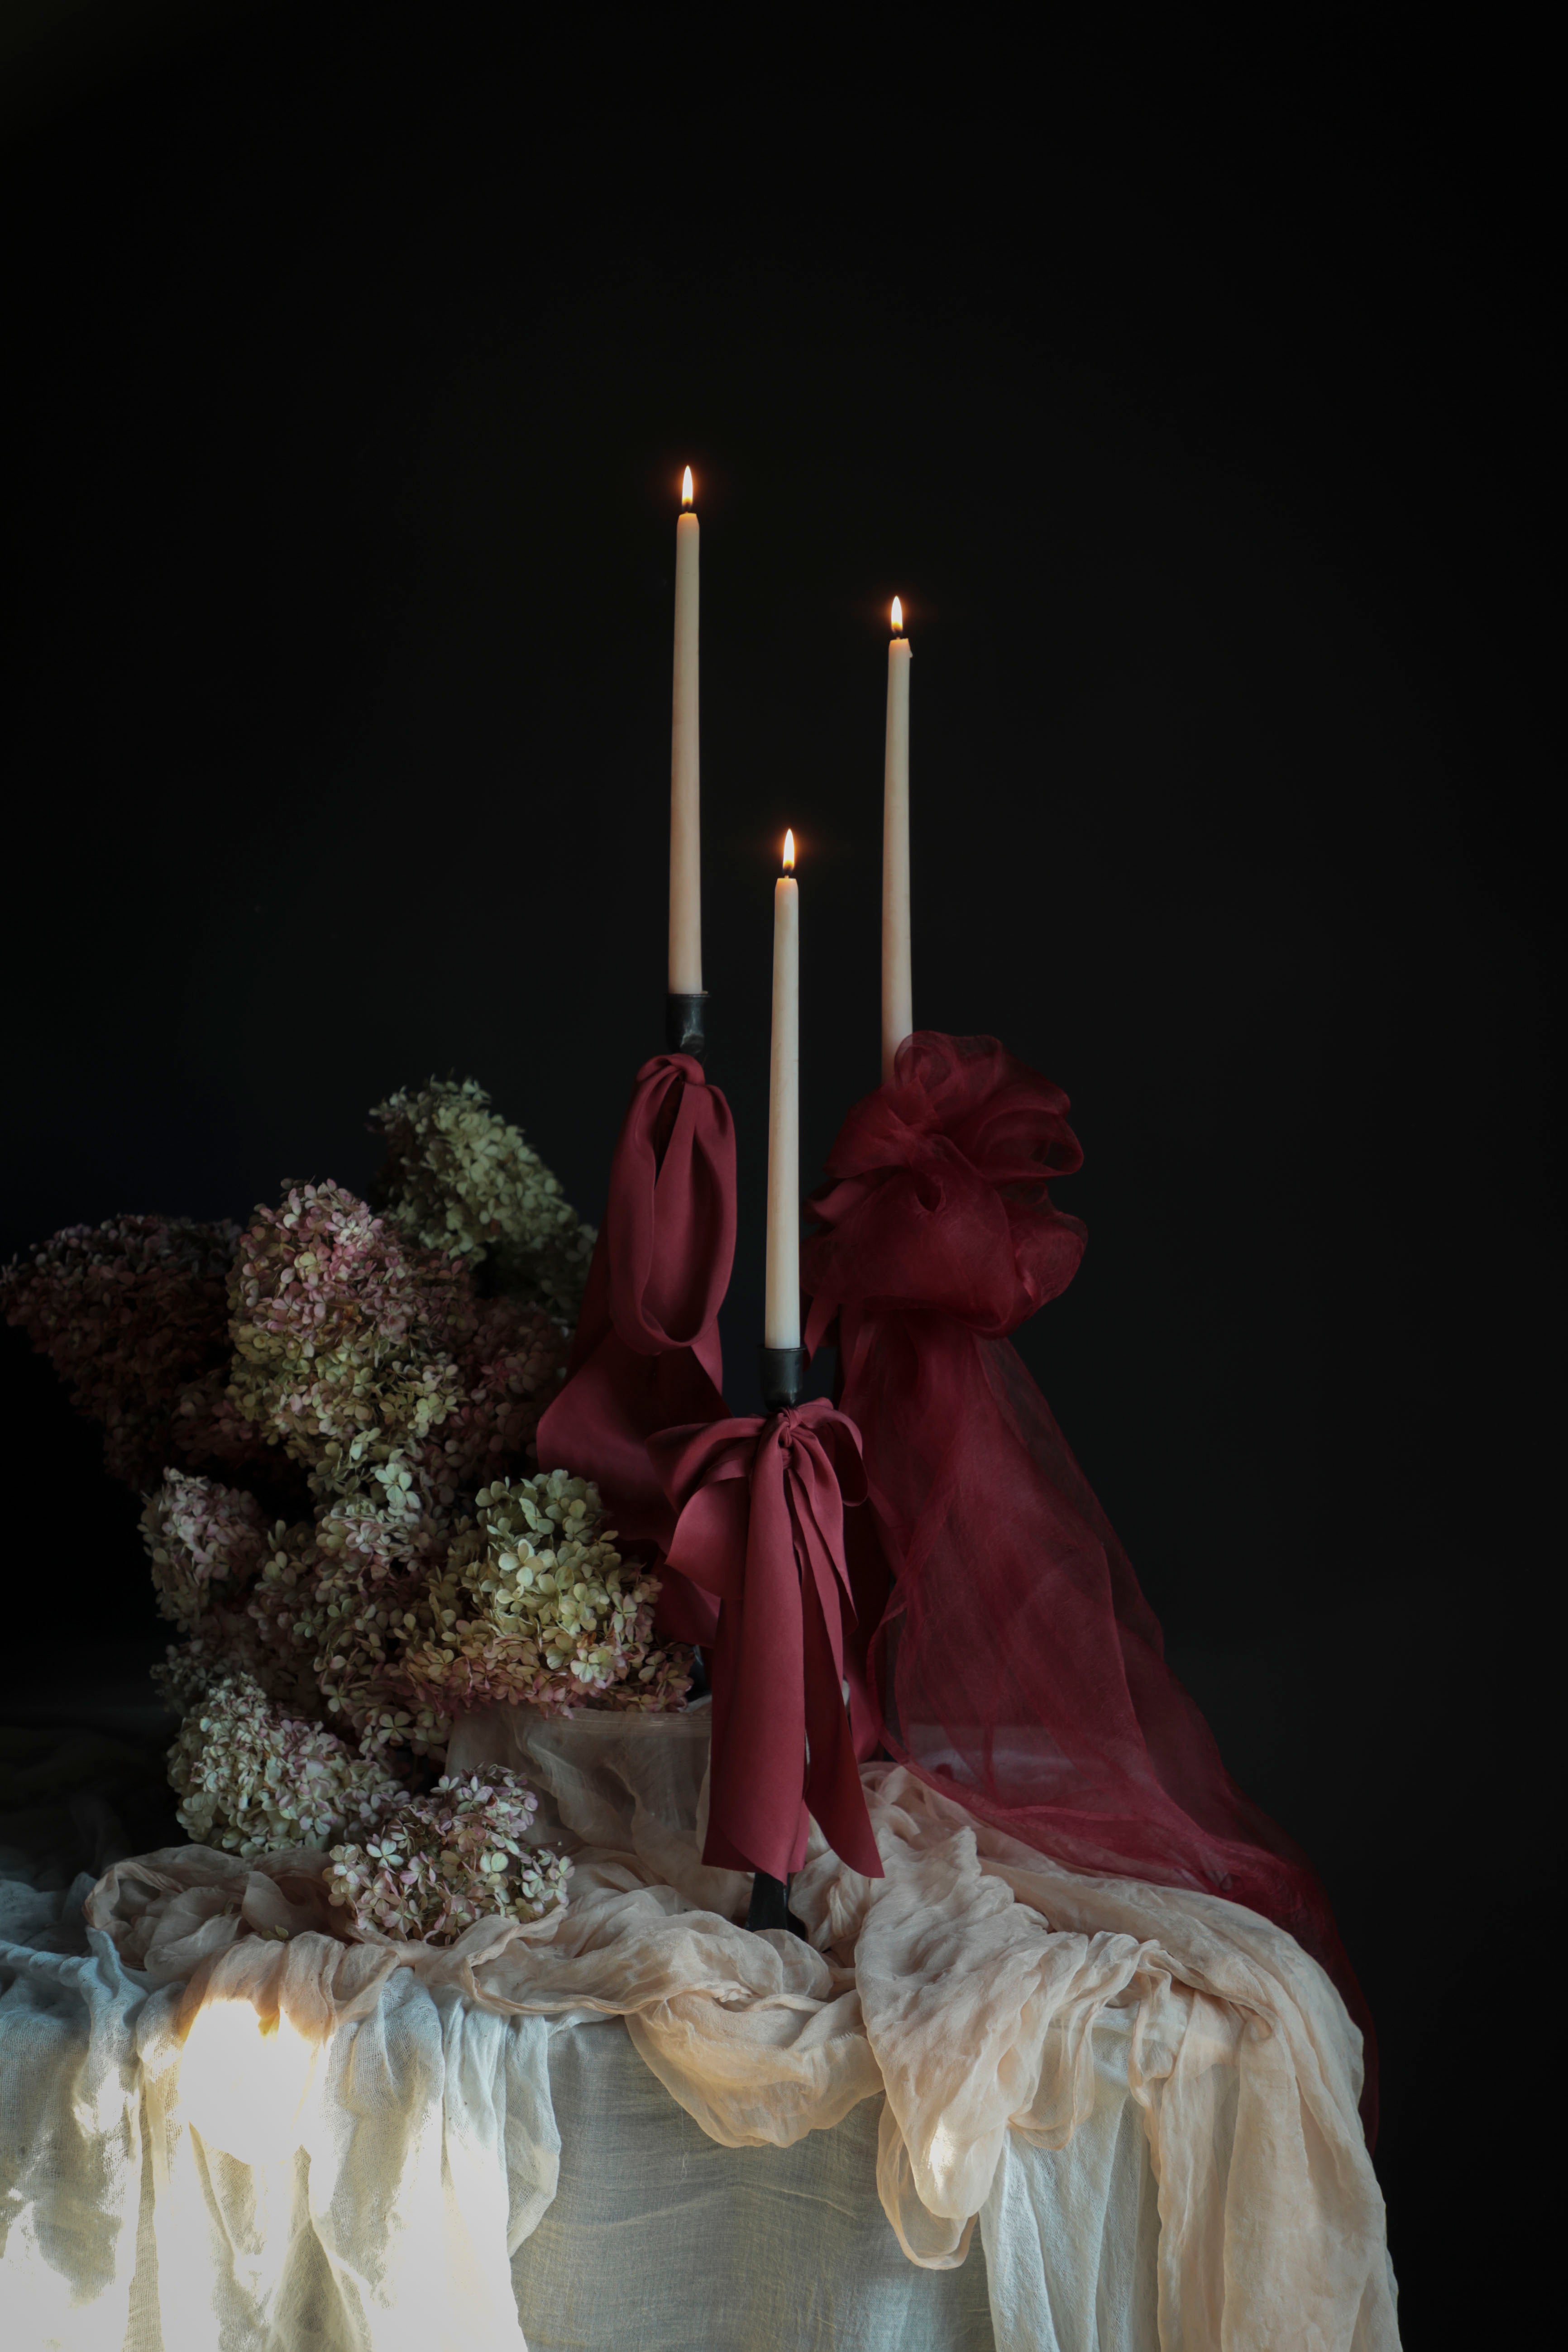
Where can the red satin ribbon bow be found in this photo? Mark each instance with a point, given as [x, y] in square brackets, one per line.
[647, 1355]
[760, 1524]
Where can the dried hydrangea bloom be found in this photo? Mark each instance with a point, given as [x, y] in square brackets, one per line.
[189, 1670]
[280, 1598]
[253, 1779]
[345, 1594]
[339, 1330]
[207, 1427]
[661, 1680]
[360, 1630]
[210, 1547]
[458, 1177]
[512, 1366]
[129, 1314]
[436, 1863]
[534, 1602]
[198, 1535]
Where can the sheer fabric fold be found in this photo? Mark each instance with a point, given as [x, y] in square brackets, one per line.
[1016, 1664]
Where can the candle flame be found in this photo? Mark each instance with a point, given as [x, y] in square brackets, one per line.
[789, 851]
[685, 487]
[898, 616]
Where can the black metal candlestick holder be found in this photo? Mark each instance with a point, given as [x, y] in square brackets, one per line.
[783, 1377]
[684, 1027]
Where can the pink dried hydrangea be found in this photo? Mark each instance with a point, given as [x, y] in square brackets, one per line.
[435, 1864]
[345, 1592]
[533, 1602]
[129, 1313]
[208, 1546]
[253, 1779]
[340, 1332]
[200, 1535]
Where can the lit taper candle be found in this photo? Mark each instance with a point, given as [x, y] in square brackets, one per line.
[685, 814]
[897, 990]
[780, 1304]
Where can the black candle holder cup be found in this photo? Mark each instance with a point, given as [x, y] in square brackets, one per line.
[783, 1377]
[685, 1027]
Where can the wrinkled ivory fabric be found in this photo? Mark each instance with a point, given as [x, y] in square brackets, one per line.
[222, 2124]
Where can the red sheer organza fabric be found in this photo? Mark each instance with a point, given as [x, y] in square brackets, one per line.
[646, 1354]
[1016, 1664]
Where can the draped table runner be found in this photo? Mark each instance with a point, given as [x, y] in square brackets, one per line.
[220, 2123]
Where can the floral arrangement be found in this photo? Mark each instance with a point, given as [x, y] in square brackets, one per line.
[331, 1413]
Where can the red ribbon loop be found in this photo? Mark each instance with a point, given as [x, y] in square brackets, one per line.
[669, 1236]
[760, 1526]
[646, 1353]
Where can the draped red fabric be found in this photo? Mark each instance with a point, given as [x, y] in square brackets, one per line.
[761, 1527]
[646, 1354]
[1017, 1664]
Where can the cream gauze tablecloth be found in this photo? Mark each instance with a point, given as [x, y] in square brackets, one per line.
[638, 2125]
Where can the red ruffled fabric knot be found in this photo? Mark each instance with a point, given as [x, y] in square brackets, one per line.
[759, 1508]
[939, 1200]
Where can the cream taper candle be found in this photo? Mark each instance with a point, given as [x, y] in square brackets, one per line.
[685, 814]
[781, 1304]
[897, 990]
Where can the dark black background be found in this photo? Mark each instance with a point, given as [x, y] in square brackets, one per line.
[1196, 397]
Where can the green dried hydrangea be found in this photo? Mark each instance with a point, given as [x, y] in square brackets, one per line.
[253, 1779]
[459, 1179]
[534, 1601]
